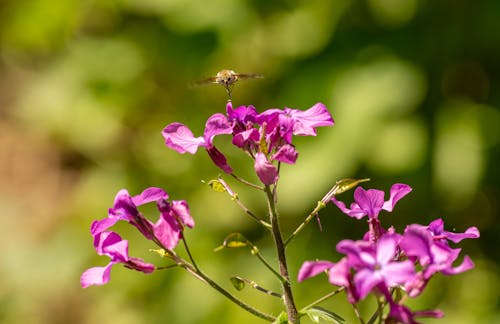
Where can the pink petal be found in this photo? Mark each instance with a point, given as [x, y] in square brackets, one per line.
[370, 201]
[96, 276]
[398, 191]
[365, 280]
[355, 211]
[181, 209]
[100, 226]
[265, 170]
[386, 249]
[219, 159]
[471, 232]
[286, 154]
[313, 268]
[216, 124]
[168, 232]
[466, 265]
[398, 272]
[306, 121]
[149, 195]
[339, 273]
[180, 138]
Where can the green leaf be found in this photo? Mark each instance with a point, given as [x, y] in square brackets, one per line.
[233, 240]
[347, 184]
[238, 283]
[318, 313]
[281, 319]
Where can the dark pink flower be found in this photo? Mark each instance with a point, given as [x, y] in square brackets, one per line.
[180, 138]
[378, 266]
[125, 208]
[433, 256]
[371, 202]
[168, 228]
[111, 244]
[436, 228]
[339, 274]
[296, 122]
[403, 314]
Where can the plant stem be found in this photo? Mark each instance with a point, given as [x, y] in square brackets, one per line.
[261, 258]
[235, 198]
[196, 272]
[358, 315]
[319, 206]
[322, 299]
[189, 252]
[291, 309]
[246, 182]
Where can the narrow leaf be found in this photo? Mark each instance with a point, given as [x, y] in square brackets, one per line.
[347, 184]
[318, 313]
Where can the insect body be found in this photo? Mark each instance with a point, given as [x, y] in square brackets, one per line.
[227, 78]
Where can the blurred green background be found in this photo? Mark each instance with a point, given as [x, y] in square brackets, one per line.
[87, 86]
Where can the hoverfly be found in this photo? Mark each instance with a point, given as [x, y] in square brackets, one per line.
[227, 78]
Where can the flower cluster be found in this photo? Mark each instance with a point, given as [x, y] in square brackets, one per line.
[385, 260]
[266, 137]
[166, 232]
[391, 265]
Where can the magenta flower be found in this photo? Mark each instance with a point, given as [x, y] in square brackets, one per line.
[434, 256]
[296, 122]
[403, 314]
[339, 274]
[125, 208]
[378, 267]
[371, 202]
[436, 228]
[180, 138]
[112, 245]
[167, 230]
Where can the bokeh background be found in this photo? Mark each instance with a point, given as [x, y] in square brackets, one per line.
[87, 86]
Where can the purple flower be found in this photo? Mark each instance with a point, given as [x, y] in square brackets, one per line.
[377, 266]
[168, 229]
[180, 138]
[125, 208]
[338, 274]
[436, 228]
[296, 122]
[371, 202]
[433, 256]
[403, 314]
[112, 245]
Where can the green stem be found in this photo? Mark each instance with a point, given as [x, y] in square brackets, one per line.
[197, 273]
[247, 182]
[322, 299]
[314, 213]
[261, 258]
[291, 309]
[358, 315]
[236, 199]
[254, 285]
[189, 252]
